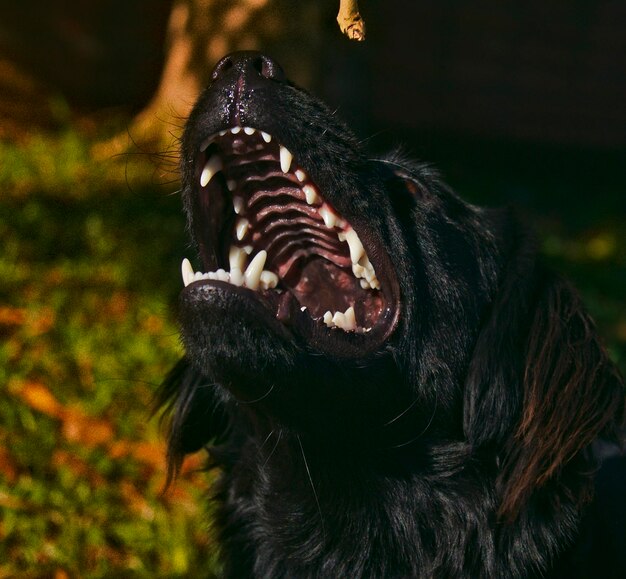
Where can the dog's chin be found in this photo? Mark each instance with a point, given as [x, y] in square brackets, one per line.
[231, 338]
[223, 325]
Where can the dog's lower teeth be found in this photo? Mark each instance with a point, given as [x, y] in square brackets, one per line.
[343, 320]
[252, 276]
[236, 277]
[237, 258]
[187, 271]
[268, 280]
[255, 277]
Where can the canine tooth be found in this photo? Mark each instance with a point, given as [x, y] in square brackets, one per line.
[328, 215]
[303, 309]
[238, 204]
[232, 185]
[213, 165]
[266, 137]
[235, 130]
[249, 130]
[269, 279]
[285, 159]
[311, 194]
[300, 175]
[253, 272]
[237, 258]
[328, 320]
[356, 247]
[236, 276]
[350, 319]
[242, 227]
[187, 271]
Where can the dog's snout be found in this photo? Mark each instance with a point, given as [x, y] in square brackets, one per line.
[250, 66]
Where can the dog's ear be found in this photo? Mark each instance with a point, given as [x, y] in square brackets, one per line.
[572, 393]
[540, 386]
[194, 411]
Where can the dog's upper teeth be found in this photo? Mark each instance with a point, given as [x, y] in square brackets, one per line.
[212, 166]
[231, 185]
[266, 137]
[252, 276]
[300, 175]
[331, 219]
[357, 250]
[242, 227]
[249, 130]
[235, 130]
[285, 159]
[311, 195]
[238, 204]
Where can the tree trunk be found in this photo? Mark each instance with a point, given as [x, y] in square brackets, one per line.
[199, 33]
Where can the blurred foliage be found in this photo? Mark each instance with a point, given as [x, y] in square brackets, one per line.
[88, 282]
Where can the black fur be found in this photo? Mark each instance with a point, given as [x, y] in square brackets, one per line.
[465, 444]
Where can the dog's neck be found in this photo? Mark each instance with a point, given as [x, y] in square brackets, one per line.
[299, 507]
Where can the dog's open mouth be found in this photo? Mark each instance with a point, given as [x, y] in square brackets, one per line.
[263, 226]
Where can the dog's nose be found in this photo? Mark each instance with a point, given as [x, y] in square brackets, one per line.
[250, 66]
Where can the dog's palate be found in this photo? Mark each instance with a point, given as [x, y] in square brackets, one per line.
[281, 234]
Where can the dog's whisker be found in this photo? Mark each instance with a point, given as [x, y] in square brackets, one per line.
[267, 458]
[404, 412]
[257, 400]
[424, 431]
[317, 501]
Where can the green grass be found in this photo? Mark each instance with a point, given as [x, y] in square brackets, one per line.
[89, 276]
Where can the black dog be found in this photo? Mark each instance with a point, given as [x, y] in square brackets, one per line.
[391, 383]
